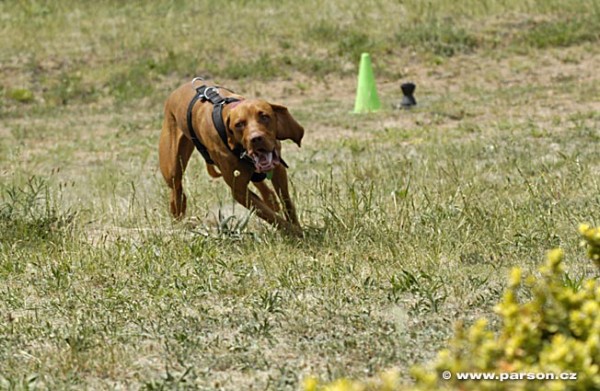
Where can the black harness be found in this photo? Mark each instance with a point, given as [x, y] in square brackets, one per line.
[211, 94]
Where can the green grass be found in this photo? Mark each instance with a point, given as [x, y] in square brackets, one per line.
[126, 50]
[412, 218]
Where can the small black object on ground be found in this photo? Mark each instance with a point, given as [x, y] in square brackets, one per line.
[408, 100]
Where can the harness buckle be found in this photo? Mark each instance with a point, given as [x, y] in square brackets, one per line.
[244, 156]
[207, 91]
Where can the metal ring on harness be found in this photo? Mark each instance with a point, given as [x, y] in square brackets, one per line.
[195, 79]
[207, 90]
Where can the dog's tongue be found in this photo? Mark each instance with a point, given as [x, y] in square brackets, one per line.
[264, 162]
[265, 159]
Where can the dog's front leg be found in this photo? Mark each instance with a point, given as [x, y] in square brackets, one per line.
[280, 183]
[243, 195]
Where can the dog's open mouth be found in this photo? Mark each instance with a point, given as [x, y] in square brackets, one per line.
[265, 161]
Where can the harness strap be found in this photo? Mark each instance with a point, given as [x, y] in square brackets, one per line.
[199, 146]
[211, 94]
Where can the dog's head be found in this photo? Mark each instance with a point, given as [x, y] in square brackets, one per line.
[257, 126]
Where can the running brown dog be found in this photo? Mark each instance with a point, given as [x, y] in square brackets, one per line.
[246, 148]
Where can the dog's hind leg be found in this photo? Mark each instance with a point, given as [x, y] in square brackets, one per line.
[174, 151]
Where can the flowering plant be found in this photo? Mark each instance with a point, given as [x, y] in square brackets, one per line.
[556, 332]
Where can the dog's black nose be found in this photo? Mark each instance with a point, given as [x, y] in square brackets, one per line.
[256, 140]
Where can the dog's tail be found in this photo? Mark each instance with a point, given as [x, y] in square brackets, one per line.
[212, 171]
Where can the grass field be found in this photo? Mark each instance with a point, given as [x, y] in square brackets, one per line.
[412, 218]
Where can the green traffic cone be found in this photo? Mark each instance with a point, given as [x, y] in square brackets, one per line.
[367, 100]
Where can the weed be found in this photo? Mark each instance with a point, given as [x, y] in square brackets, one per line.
[68, 87]
[428, 292]
[30, 214]
[563, 33]
[271, 302]
[353, 44]
[133, 83]
[443, 38]
[22, 95]
[263, 67]
[261, 325]
[233, 226]
[573, 282]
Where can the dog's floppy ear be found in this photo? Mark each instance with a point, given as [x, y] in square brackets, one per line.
[287, 127]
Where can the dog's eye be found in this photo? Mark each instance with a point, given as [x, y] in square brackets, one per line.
[240, 125]
[264, 118]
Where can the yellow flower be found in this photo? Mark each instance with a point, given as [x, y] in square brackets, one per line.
[343, 385]
[555, 256]
[310, 384]
[515, 277]
[390, 380]
[583, 228]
